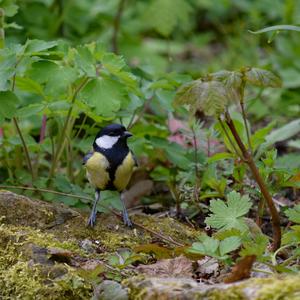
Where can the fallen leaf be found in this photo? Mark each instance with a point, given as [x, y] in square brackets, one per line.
[158, 251]
[60, 255]
[241, 270]
[207, 267]
[176, 267]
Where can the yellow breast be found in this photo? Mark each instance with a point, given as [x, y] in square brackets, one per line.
[124, 172]
[96, 169]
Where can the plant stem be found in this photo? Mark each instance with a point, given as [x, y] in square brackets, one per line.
[61, 140]
[133, 121]
[116, 28]
[231, 142]
[246, 126]
[25, 149]
[197, 178]
[249, 160]
[2, 32]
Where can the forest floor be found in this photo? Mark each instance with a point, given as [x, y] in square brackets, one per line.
[46, 252]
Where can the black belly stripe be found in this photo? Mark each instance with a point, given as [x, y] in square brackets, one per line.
[115, 157]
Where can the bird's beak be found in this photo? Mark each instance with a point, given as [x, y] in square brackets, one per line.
[127, 134]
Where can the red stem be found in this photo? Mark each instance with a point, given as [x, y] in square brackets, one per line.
[43, 129]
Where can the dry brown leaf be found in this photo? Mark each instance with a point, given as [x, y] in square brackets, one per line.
[241, 270]
[175, 267]
[60, 255]
[208, 266]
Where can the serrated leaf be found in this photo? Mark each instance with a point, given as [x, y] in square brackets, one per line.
[8, 105]
[229, 244]
[165, 15]
[293, 214]
[260, 241]
[231, 79]
[263, 78]
[229, 215]
[211, 97]
[105, 95]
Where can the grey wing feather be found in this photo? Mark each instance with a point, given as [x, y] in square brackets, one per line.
[87, 157]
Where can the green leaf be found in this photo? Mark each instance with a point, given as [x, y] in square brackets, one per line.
[285, 132]
[259, 136]
[36, 46]
[229, 244]
[263, 78]
[42, 70]
[85, 61]
[206, 246]
[211, 97]
[8, 105]
[277, 28]
[256, 246]
[28, 85]
[229, 215]
[105, 95]
[8, 61]
[165, 15]
[30, 110]
[59, 82]
[220, 156]
[293, 214]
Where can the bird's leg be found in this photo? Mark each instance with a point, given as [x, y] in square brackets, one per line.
[92, 219]
[126, 219]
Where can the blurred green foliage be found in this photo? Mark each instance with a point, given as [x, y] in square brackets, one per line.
[82, 64]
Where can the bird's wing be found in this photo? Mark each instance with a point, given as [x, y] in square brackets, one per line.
[87, 157]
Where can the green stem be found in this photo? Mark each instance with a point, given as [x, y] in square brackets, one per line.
[62, 137]
[2, 32]
[231, 142]
[25, 149]
[246, 126]
[116, 26]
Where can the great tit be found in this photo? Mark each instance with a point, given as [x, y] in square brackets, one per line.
[110, 165]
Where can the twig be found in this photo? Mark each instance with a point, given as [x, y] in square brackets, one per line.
[100, 204]
[116, 29]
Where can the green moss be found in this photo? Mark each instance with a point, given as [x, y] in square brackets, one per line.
[279, 288]
[20, 277]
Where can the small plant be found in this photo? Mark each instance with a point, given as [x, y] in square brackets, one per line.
[213, 95]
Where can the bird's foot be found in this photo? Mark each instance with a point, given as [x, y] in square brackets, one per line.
[92, 219]
[126, 220]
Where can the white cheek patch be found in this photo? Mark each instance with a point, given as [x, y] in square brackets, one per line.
[106, 141]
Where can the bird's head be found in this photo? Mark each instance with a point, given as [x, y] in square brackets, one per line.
[110, 135]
